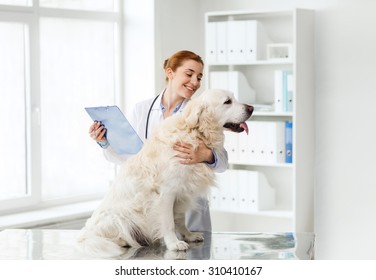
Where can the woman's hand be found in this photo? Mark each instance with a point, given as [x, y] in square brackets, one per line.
[188, 155]
[97, 131]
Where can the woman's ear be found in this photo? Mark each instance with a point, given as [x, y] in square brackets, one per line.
[169, 73]
[192, 113]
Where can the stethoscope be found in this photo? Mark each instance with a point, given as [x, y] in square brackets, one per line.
[147, 118]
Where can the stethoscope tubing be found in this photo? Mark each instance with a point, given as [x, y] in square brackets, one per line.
[148, 116]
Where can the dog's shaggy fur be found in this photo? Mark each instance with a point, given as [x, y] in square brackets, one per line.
[153, 190]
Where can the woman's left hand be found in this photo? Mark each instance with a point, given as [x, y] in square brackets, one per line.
[189, 155]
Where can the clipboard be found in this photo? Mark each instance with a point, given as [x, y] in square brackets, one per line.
[120, 133]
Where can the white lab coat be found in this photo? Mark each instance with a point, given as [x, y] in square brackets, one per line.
[198, 220]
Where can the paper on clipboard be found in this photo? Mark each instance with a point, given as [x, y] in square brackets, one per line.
[120, 134]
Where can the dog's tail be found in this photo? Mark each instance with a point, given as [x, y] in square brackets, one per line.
[91, 244]
[95, 245]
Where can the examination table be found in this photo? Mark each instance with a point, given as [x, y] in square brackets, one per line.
[57, 244]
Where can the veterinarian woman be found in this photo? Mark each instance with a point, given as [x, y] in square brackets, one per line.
[183, 78]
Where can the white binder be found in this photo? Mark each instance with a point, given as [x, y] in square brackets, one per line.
[278, 91]
[253, 152]
[290, 89]
[231, 145]
[215, 197]
[227, 184]
[274, 142]
[244, 145]
[211, 42]
[221, 36]
[236, 36]
[256, 41]
[262, 195]
[244, 199]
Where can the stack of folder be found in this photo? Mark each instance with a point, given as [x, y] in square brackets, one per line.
[242, 191]
[236, 41]
[268, 142]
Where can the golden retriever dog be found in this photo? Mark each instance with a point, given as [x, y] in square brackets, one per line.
[153, 190]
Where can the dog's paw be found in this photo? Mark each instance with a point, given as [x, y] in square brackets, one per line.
[194, 237]
[178, 246]
[175, 255]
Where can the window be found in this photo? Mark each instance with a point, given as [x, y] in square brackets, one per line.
[55, 59]
[13, 98]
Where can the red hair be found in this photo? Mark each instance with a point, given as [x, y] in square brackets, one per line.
[177, 59]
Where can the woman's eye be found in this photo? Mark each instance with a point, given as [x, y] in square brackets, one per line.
[228, 102]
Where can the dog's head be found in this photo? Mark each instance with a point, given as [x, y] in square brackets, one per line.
[215, 109]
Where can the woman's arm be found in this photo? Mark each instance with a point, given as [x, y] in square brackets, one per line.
[216, 159]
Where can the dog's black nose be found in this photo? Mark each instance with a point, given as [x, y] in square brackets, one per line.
[249, 109]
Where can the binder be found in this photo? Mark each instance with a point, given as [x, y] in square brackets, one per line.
[251, 41]
[211, 42]
[255, 142]
[221, 35]
[120, 134]
[215, 197]
[288, 141]
[231, 145]
[256, 41]
[227, 183]
[278, 91]
[244, 200]
[236, 31]
[244, 145]
[283, 91]
[274, 142]
[289, 92]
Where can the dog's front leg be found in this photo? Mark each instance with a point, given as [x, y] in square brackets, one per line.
[183, 230]
[168, 225]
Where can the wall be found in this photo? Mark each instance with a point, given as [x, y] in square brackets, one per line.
[139, 52]
[179, 25]
[345, 187]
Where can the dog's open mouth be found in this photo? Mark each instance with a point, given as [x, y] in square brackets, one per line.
[237, 127]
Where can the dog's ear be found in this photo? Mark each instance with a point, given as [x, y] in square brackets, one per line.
[192, 113]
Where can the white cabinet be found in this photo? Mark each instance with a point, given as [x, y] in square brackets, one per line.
[272, 54]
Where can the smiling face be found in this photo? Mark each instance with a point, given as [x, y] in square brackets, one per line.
[186, 79]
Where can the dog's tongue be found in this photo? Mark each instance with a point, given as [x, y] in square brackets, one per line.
[244, 126]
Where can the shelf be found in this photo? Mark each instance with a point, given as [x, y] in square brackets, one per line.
[251, 63]
[272, 114]
[285, 214]
[251, 13]
[231, 37]
[283, 165]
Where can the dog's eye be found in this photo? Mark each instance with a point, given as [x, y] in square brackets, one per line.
[228, 102]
